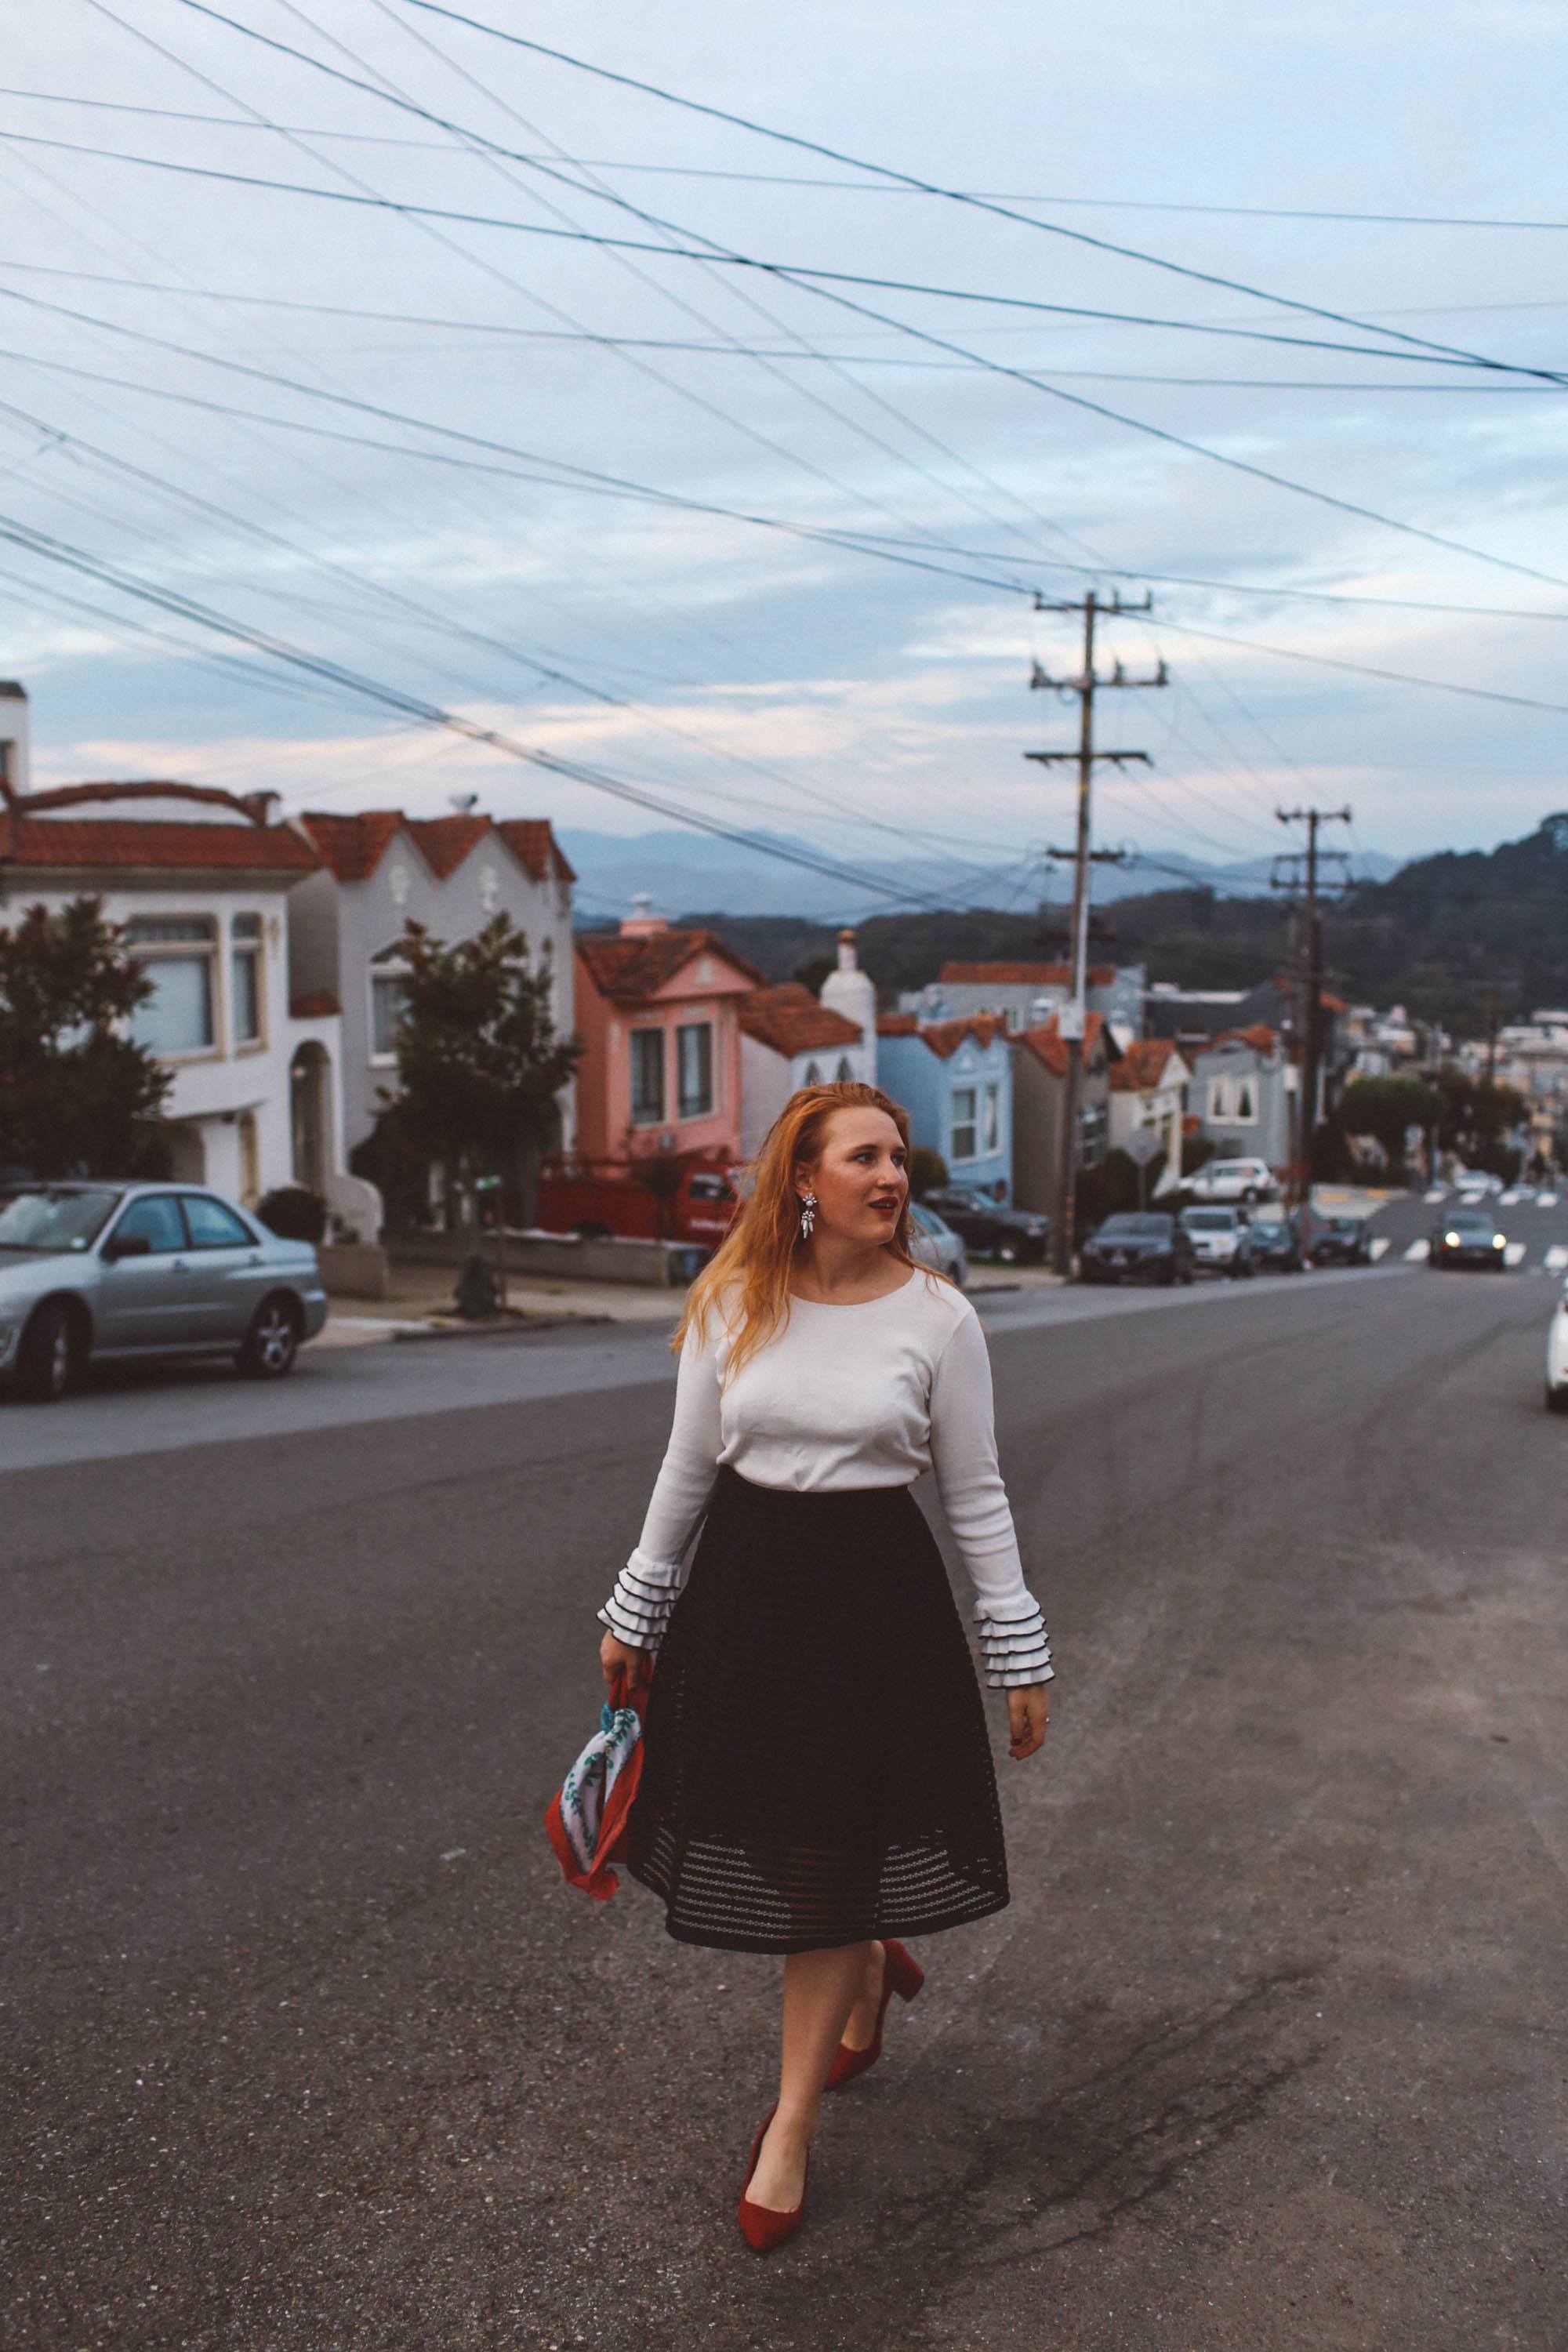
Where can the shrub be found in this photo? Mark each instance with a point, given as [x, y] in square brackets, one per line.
[293, 1213]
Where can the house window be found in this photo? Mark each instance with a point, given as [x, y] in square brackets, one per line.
[963, 1127]
[694, 1059]
[388, 1003]
[1219, 1099]
[177, 953]
[648, 1076]
[813, 1076]
[1246, 1111]
[245, 978]
[843, 1070]
[992, 1123]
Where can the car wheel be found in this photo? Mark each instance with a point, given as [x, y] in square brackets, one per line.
[272, 1341]
[48, 1359]
[1249, 1192]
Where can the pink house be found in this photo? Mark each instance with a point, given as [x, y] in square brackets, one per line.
[656, 1009]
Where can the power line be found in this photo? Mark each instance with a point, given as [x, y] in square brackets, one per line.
[805, 180]
[909, 180]
[409, 706]
[804, 274]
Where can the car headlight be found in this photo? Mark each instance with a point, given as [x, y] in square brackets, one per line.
[1450, 1241]
[1499, 1240]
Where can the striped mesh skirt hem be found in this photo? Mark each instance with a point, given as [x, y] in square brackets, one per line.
[816, 1763]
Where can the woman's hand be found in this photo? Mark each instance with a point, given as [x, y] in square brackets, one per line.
[1028, 1710]
[618, 1657]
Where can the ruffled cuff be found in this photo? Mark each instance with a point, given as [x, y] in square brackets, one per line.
[1016, 1650]
[637, 1611]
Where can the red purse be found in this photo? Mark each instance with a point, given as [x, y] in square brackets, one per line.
[586, 1818]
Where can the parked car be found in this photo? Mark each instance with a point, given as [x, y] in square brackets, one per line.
[933, 1243]
[598, 1198]
[1234, 1180]
[1221, 1238]
[1277, 1242]
[1339, 1241]
[1557, 1358]
[1468, 1237]
[104, 1273]
[1474, 1182]
[1146, 1246]
[1017, 1237]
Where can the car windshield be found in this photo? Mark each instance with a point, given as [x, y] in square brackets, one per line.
[1269, 1226]
[1129, 1228]
[46, 1220]
[1471, 1221]
[1211, 1221]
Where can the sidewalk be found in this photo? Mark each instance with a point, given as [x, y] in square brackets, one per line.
[420, 1305]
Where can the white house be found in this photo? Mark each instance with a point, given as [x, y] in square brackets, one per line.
[201, 882]
[1148, 1091]
[374, 872]
[789, 1040]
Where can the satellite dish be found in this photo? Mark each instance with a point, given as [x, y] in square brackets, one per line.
[463, 802]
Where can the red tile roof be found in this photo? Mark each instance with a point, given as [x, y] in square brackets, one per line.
[944, 1037]
[145, 844]
[443, 842]
[355, 846]
[1142, 1064]
[532, 843]
[1023, 976]
[315, 1004]
[790, 1020]
[1050, 1048]
[630, 970]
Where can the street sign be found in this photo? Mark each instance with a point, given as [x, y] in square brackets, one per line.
[1142, 1145]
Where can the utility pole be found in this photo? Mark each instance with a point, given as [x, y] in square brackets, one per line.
[1071, 1021]
[1310, 860]
[1491, 1034]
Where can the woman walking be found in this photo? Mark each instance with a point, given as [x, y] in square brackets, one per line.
[816, 1775]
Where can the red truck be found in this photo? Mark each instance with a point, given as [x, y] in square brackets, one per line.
[597, 1198]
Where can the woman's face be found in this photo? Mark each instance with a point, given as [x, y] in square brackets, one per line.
[861, 1178]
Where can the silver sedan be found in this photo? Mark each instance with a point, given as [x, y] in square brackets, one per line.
[110, 1273]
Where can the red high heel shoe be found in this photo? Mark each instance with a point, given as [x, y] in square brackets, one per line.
[762, 2228]
[901, 1974]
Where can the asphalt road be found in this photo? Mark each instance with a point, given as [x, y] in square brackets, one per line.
[307, 2045]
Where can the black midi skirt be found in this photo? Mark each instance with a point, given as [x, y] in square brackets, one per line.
[817, 1768]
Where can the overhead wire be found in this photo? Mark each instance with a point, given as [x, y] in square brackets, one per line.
[913, 181]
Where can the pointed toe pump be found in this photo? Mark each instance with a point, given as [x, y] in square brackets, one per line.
[901, 1974]
[761, 2226]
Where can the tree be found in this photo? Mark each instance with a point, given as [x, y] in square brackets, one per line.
[478, 1062]
[1387, 1108]
[1475, 1119]
[78, 1095]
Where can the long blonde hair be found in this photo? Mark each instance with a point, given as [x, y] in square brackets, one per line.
[756, 1256]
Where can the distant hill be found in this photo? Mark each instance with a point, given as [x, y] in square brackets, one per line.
[682, 869]
[1433, 936]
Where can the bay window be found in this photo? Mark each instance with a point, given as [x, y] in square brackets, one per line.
[963, 1123]
[177, 953]
[694, 1065]
[245, 978]
[648, 1076]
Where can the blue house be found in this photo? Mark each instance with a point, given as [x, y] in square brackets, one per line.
[955, 1080]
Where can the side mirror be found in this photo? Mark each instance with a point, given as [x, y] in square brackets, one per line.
[120, 1245]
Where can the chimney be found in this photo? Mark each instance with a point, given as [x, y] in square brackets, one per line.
[642, 922]
[851, 991]
[13, 765]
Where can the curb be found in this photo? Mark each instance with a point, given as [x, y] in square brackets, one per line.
[513, 1328]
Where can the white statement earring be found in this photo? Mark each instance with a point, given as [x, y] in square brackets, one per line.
[807, 1215]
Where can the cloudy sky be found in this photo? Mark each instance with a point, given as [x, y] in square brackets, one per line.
[598, 500]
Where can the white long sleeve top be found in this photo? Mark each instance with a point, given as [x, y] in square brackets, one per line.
[868, 1394]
